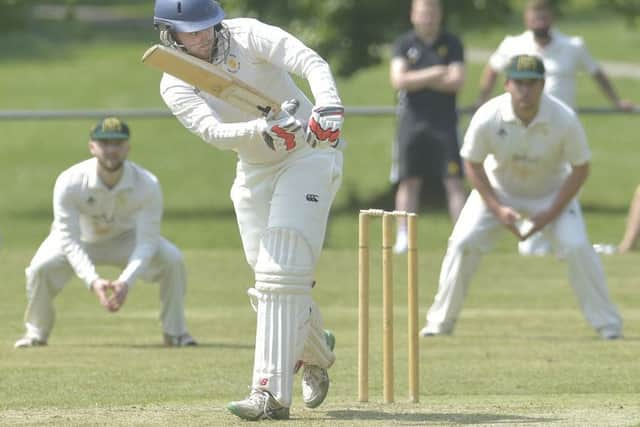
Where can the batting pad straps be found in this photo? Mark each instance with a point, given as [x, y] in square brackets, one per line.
[285, 259]
[281, 331]
[316, 349]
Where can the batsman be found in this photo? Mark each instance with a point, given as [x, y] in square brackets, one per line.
[288, 171]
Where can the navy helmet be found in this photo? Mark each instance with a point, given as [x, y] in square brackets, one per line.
[187, 16]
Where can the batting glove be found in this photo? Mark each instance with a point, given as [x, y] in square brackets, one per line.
[325, 124]
[282, 130]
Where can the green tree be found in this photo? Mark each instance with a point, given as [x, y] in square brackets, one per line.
[13, 14]
[628, 9]
[353, 33]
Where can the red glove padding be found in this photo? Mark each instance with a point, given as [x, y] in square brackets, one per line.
[325, 125]
[282, 130]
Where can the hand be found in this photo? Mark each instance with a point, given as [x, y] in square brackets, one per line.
[538, 222]
[120, 290]
[625, 105]
[325, 125]
[101, 288]
[282, 130]
[509, 218]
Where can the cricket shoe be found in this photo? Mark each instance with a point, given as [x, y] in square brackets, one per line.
[402, 244]
[184, 340]
[315, 380]
[610, 333]
[29, 341]
[260, 405]
[432, 330]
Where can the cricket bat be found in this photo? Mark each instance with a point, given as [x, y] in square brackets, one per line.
[209, 78]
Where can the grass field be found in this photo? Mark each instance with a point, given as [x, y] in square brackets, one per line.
[521, 355]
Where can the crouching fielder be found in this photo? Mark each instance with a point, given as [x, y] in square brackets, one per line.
[288, 173]
[107, 211]
[537, 159]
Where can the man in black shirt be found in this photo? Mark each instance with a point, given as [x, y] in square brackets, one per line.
[427, 70]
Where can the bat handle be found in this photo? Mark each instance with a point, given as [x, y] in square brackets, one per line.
[291, 106]
[265, 110]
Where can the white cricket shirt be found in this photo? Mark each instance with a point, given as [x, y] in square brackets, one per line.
[262, 56]
[85, 210]
[563, 58]
[531, 161]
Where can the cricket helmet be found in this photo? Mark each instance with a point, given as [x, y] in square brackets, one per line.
[187, 16]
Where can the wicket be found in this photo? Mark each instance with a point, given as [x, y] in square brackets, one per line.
[387, 303]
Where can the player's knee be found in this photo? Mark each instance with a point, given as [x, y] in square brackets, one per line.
[466, 243]
[42, 268]
[572, 244]
[170, 255]
[285, 258]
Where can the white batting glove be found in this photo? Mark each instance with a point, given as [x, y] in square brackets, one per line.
[282, 130]
[325, 125]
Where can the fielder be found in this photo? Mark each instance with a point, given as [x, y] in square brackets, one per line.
[526, 156]
[285, 182]
[564, 57]
[632, 230]
[106, 211]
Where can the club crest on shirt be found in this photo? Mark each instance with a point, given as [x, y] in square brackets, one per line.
[413, 55]
[453, 169]
[442, 51]
[232, 64]
[502, 133]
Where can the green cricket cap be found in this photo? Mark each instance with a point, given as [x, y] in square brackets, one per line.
[522, 67]
[110, 128]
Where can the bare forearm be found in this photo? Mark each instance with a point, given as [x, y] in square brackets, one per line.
[606, 87]
[414, 80]
[479, 180]
[632, 231]
[487, 83]
[452, 81]
[507, 216]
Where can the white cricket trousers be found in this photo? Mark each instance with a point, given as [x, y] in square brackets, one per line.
[475, 233]
[50, 271]
[282, 209]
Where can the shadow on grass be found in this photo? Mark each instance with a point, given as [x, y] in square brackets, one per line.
[547, 338]
[156, 346]
[429, 418]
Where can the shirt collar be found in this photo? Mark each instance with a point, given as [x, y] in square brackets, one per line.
[553, 34]
[126, 180]
[543, 116]
[436, 41]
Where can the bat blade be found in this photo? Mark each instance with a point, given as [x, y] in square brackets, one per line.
[208, 78]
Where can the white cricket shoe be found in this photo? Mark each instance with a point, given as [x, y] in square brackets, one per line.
[610, 333]
[315, 380]
[29, 341]
[183, 340]
[536, 245]
[260, 405]
[605, 248]
[402, 244]
[431, 330]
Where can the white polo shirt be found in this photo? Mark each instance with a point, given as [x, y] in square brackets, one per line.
[86, 211]
[528, 162]
[563, 58]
